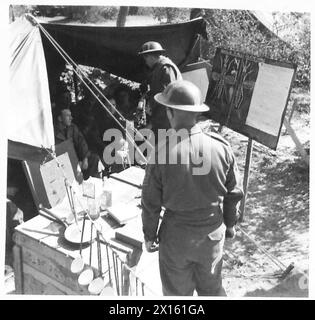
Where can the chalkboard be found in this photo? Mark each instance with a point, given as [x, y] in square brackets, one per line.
[249, 94]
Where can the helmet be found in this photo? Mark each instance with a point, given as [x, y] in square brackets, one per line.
[182, 95]
[151, 46]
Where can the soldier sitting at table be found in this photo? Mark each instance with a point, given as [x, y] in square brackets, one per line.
[64, 130]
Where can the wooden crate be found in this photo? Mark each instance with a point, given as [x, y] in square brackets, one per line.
[42, 258]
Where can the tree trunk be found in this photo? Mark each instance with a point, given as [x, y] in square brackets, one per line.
[196, 13]
[11, 14]
[122, 16]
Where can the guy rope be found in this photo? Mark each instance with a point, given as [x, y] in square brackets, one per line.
[69, 60]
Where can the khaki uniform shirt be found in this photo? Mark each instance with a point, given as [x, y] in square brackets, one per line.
[203, 189]
[163, 73]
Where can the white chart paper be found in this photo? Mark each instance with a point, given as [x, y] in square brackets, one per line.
[54, 178]
[200, 78]
[269, 98]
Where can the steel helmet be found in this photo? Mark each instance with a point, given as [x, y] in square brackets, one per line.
[151, 46]
[182, 95]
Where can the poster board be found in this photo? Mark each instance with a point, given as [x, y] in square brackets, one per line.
[198, 73]
[55, 174]
[33, 168]
[249, 94]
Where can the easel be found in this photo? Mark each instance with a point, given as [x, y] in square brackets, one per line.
[246, 176]
[270, 79]
[248, 161]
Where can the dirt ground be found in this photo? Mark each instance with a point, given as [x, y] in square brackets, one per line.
[276, 215]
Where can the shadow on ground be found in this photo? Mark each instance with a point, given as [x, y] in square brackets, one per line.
[294, 286]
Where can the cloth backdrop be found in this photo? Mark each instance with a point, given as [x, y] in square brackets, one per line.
[115, 49]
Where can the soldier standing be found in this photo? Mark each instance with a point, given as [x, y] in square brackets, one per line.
[200, 198]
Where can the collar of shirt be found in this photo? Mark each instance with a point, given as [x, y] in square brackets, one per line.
[192, 130]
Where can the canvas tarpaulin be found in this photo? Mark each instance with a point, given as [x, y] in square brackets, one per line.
[115, 49]
[28, 118]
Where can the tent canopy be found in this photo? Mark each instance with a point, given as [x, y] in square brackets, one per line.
[112, 49]
[115, 49]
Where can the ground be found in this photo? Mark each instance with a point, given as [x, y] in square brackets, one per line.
[276, 214]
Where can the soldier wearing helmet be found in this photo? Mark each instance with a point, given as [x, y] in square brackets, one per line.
[200, 205]
[162, 72]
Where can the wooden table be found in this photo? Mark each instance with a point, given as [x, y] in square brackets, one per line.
[42, 257]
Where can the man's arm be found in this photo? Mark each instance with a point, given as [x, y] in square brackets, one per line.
[234, 193]
[80, 144]
[151, 202]
[168, 76]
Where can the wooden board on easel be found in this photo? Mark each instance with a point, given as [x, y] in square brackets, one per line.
[250, 94]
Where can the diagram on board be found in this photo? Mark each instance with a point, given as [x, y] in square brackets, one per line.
[249, 94]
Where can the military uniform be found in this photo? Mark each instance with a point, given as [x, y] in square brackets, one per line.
[81, 148]
[163, 73]
[197, 209]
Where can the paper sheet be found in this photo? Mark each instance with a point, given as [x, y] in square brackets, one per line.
[200, 78]
[54, 174]
[269, 98]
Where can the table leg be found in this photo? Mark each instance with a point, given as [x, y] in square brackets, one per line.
[18, 269]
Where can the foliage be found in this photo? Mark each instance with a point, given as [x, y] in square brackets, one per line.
[103, 80]
[90, 14]
[235, 29]
[170, 15]
[238, 30]
[19, 10]
[299, 38]
[78, 90]
[84, 14]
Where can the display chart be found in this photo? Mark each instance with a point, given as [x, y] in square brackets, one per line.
[249, 94]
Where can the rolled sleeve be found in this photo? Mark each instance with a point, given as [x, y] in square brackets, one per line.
[234, 194]
[168, 76]
[151, 202]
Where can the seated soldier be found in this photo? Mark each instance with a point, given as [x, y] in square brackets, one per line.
[92, 135]
[64, 130]
[124, 101]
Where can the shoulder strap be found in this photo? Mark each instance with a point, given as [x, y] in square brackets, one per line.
[217, 137]
[168, 63]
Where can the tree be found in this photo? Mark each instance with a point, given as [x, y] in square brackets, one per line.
[11, 14]
[237, 30]
[171, 15]
[122, 16]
